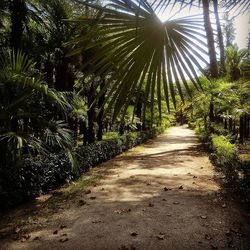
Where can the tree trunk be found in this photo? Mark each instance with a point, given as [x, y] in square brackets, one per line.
[144, 117]
[84, 131]
[234, 127]
[248, 126]
[138, 113]
[49, 71]
[100, 115]
[220, 38]
[230, 127]
[210, 40]
[91, 114]
[18, 10]
[64, 77]
[211, 115]
[121, 128]
[245, 125]
[225, 123]
[241, 129]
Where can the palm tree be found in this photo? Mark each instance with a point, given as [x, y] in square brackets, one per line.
[220, 38]
[27, 123]
[18, 10]
[234, 58]
[210, 40]
[228, 30]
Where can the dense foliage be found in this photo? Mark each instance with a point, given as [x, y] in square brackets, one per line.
[39, 175]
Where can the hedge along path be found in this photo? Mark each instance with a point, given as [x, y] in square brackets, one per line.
[160, 196]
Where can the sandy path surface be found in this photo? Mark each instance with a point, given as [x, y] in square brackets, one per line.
[163, 196]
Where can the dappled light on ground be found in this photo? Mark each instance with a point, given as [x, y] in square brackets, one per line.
[159, 196]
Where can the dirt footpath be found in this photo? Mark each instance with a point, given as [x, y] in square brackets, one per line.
[164, 195]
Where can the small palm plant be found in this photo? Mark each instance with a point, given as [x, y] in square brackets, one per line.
[234, 58]
[27, 108]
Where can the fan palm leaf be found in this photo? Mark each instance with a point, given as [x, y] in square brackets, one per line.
[17, 70]
[241, 6]
[141, 49]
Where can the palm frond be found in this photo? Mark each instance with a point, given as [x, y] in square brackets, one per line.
[144, 50]
[239, 6]
[16, 69]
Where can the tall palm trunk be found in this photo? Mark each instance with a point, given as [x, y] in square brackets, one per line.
[91, 113]
[101, 112]
[220, 38]
[210, 40]
[18, 10]
[64, 78]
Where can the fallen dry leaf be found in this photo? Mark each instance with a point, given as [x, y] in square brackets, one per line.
[161, 236]
[214, 247]
[26, 236]
[81, 202]
[208, 237]
[134, 234]
[17, 230]
[63, 240]
[96, 221]
[203, 216]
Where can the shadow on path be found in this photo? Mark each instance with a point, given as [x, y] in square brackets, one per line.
[160, 196]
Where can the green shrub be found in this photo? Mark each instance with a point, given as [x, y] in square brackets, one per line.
[201, 131]
[225, 152]
[37, 176]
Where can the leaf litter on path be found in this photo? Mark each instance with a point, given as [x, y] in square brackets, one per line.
[63, 240]
[161, 236]
[134, 234]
